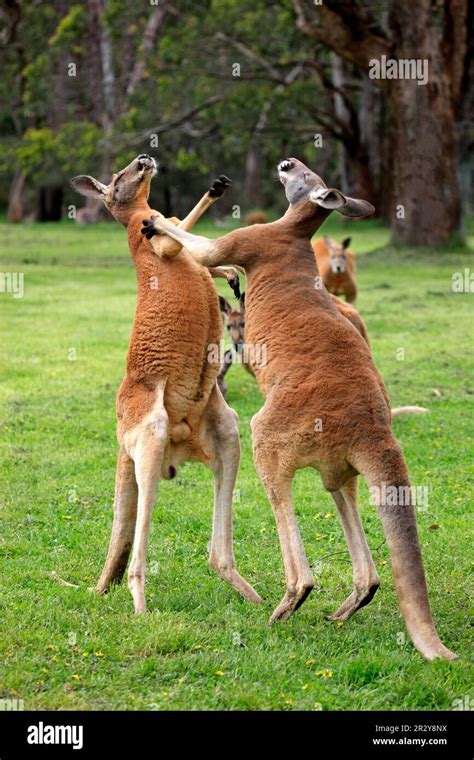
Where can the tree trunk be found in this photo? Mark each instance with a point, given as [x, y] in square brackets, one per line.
[426, 206]
[426, 191]
[16, 204]
[50, 204]
[356, 175]
[252, 184]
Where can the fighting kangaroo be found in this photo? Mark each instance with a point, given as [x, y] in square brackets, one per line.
[169, 409]
[326, 405]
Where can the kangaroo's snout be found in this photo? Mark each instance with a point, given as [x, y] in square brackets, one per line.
[146, 162]
[285, 165]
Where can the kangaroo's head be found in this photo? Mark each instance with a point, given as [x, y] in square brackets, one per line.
[127, 191]
[303, 186]
[337, 254]
[235, 320]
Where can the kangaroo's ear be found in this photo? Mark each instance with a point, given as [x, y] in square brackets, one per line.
[89, 186]
[356, 207]
[346, 243]
[334, 200]
[224, 305]
[327, 197]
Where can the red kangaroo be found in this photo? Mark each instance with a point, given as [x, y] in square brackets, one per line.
[169, 409]
[337, 267]
[325, 403]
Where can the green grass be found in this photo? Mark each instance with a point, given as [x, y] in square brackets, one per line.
[200, 646]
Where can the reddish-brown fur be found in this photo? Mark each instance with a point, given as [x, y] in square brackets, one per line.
[234, 319]
[337, 267]
[326, 405]
[168, 406]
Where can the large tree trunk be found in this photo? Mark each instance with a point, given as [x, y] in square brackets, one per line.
[426, 204]
[424, 160]
[426, 192]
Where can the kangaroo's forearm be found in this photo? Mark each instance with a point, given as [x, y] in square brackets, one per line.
[199, 209]
[165, 247]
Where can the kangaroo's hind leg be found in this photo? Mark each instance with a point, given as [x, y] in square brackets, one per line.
[220, 436]
[277, 483]
[366, 580]
[147, 444]
[123, 527]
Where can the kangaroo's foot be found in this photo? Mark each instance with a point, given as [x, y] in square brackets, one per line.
[293, 599]
[231, 576]
[360, 596]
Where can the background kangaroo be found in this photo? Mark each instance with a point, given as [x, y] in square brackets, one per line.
[326, 405]
[169, 408]
[234, 317]
[337, 267]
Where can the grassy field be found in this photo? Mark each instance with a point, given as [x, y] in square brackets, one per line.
[200, 646]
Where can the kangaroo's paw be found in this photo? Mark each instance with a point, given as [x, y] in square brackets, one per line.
[148, 228]
[219, 186]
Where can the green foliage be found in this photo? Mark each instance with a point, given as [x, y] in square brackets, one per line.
[72, 26]
[188, 160]
[186, 65]
[46, 156]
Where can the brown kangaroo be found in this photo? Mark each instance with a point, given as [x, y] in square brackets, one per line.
[235, 320]
[169, 409]
[326, 405]
[337, 267]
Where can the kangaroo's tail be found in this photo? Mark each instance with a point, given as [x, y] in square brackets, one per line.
[409, 410]
[385, 471]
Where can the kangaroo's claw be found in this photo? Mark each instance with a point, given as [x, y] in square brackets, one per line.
[219, 186]
[148, 227]
[234, 283]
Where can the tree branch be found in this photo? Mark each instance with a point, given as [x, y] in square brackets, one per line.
[137, 138]
[343, 28]
[152, 27]
[264, 64]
